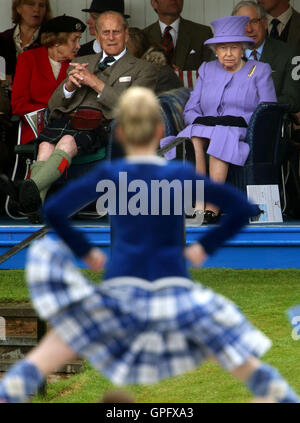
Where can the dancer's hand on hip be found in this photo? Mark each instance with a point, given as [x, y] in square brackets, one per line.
[95, 259]
[196, 254]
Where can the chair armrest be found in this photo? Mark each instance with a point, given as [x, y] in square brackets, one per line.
[172, 103]
[27, 149]
[15, 118]
[264, 132]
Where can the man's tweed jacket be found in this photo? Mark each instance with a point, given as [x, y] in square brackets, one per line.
[126, 72]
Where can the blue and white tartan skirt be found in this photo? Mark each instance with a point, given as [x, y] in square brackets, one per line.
[134, 331]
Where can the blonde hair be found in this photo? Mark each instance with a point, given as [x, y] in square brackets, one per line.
[17, 18]
[49, 39]
[138, 113]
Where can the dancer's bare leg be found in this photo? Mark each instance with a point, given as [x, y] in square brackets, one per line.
[264, 381]
[50, 354]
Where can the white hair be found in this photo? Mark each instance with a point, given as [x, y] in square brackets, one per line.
[244, 45]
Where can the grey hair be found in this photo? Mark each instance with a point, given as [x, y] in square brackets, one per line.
[260, 10]
[213, 47]
[111, 12]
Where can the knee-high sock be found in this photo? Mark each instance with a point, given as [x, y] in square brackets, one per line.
[267, 382]
[21, 381]
[51, 170]
[36, 167]
[34, 170]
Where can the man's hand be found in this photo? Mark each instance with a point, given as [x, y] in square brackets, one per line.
[74, 81]
[196, 254]
[95, 259]
[80, 75]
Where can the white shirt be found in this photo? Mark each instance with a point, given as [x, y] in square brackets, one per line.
[283, 18]
[173, 31]
[55, 67]
[68, 94]
[18, 42]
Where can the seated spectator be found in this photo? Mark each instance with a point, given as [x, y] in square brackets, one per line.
[226, 94]
[5, 128]
[4, 103]
[97, 7]
[40, 71]
[283, 21]
[183, 39]
[139, 46]
[93, 86]
[28, 16]
[279, 55]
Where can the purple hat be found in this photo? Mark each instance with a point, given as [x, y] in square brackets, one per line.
[230, 29]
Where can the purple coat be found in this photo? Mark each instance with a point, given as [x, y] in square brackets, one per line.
[219, 93]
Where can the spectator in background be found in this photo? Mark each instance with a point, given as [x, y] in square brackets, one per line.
[183, 39]
[97, 7]
[139, 46]
[28, 16]
[5, 128]
[40, 71]
[279, 55]
[4, 103]
[226, 93]
[283, 21]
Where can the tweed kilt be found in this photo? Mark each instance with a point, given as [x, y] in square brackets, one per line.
[135, 331]
[88, 142]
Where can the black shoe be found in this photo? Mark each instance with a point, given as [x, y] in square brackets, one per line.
[29, 197]
[210, 217]
[35, 218]
[9, 188]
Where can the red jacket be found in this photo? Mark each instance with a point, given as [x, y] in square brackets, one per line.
[33, 85]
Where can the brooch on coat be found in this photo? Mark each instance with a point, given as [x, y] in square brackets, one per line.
[252, 71]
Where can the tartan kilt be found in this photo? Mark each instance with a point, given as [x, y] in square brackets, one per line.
[88, 142]
[134, 331]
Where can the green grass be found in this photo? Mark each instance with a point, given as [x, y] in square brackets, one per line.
[263, 295]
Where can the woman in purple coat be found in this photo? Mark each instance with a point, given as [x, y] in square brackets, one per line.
[225, 95]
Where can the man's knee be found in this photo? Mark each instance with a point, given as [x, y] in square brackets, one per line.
[45, 150]
[68, 144]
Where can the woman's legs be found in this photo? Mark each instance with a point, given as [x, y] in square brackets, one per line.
[199, 146]
[25, 378]
[218, 170]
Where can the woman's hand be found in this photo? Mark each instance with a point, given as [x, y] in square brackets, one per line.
[95, 259]
[196, 254]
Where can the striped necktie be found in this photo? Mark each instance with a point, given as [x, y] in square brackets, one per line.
[254, 54]
[105, 63]
[167, 43]
[274, 31]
